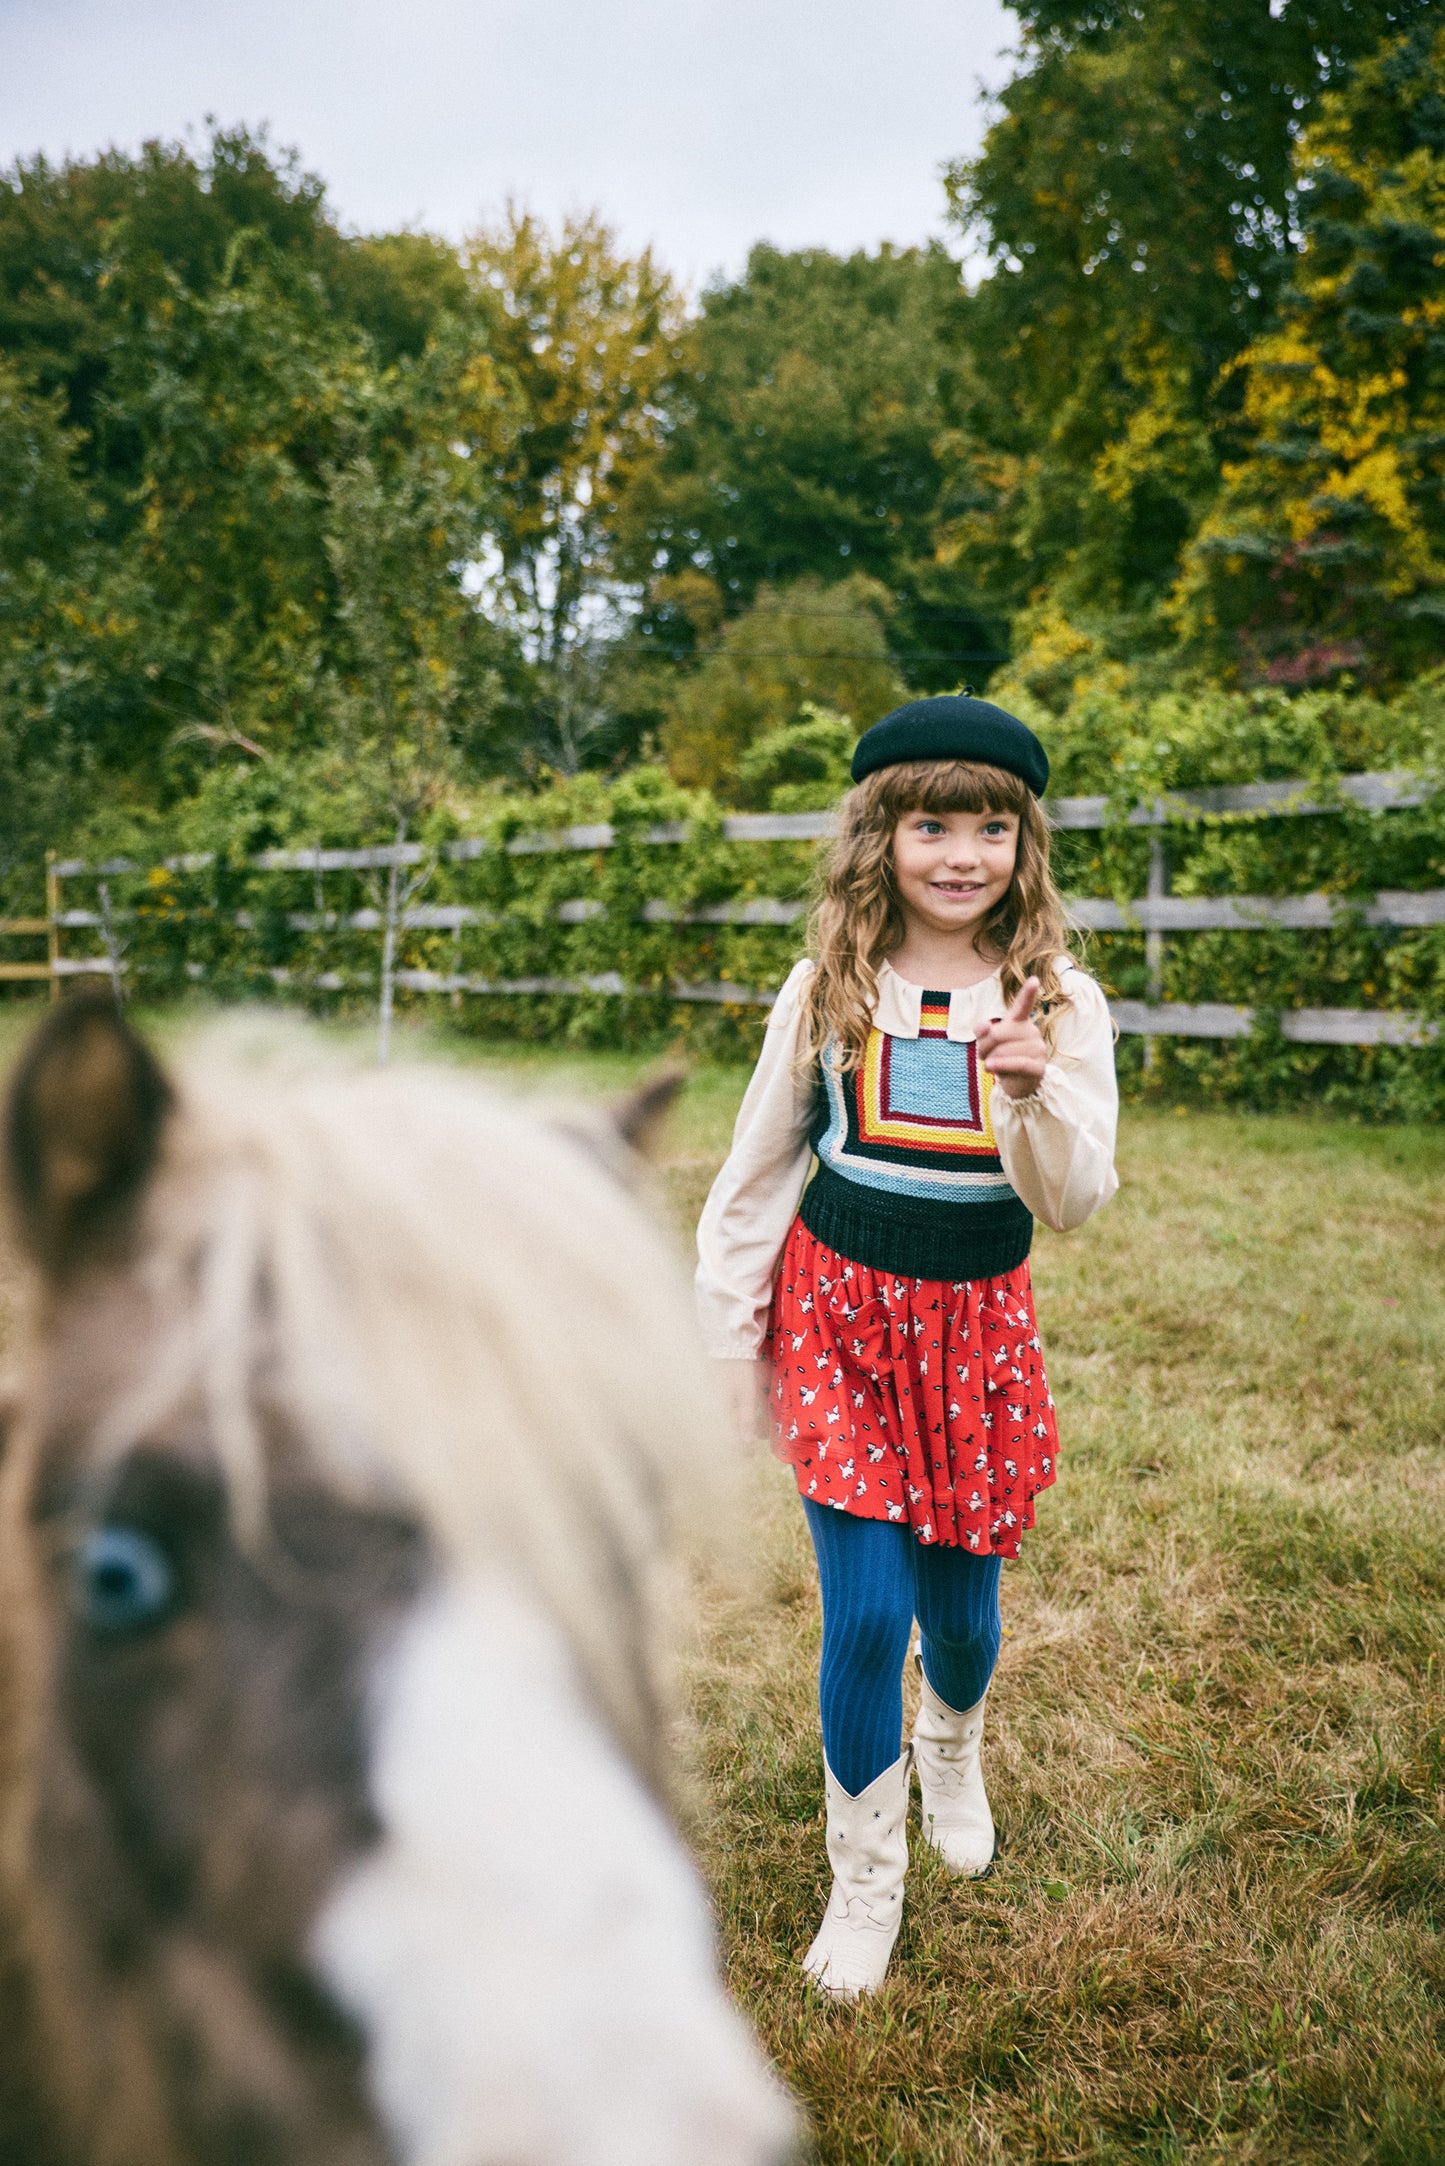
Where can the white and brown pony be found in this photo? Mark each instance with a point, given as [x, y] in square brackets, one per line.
[353, 1421]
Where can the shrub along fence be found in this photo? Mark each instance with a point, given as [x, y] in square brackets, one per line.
[1258, 941]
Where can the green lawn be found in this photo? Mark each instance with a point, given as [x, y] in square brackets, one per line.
[1215, 1745]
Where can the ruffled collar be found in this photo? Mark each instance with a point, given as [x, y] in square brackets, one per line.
[899, 1005]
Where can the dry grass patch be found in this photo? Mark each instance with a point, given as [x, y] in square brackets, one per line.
[1216, 1746]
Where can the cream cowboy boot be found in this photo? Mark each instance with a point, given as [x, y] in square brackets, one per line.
[956, 1818]
[868, 1851]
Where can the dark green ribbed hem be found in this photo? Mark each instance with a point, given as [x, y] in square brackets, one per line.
[911, 1237]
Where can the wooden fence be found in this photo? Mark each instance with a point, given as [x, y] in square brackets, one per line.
[1156, 914]
[30, 930]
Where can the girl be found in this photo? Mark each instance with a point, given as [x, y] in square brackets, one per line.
[906, 1382]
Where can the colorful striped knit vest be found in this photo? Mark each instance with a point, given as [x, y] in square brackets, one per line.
[909, 1178]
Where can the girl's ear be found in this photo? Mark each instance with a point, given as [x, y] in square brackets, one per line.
[83, 1126]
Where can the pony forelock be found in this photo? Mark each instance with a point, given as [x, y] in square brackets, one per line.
[458, 1311]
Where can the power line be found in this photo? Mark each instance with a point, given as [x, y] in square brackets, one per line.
[822, 654]
[844, 616]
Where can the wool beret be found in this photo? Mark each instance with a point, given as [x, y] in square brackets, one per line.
[953, 727]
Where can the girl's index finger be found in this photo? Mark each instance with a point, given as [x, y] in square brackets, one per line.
[1024, 1000]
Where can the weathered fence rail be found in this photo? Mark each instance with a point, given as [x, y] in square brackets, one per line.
[1305, 1026]
[12, 972]
[1275, 800]
[1146, 913]
[1153, 914]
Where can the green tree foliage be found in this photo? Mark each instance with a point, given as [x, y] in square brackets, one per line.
[1327, 546]
[240, 401]
[47, 616]
[803, 767]
[409, 632]
[255, 405]
[1138, 207]
[192, 362]
[403, 289]
[88, 248]
[270, 492]
[807, 442]
[592, 342]
[800, 643]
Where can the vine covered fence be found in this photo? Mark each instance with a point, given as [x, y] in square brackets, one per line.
[1264, 919]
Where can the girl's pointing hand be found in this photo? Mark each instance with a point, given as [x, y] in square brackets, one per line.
[1011, 1046]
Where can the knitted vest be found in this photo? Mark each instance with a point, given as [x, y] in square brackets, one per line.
[909, 1178]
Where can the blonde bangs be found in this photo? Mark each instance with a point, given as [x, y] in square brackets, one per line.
[857, 921]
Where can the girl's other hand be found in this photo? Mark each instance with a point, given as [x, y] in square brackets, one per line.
[744, 1388]
[1011, 1046]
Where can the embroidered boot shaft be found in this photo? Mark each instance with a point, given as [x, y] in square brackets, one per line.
[956, 1816]
[868, 1851]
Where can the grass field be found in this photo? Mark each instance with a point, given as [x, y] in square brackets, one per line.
[1215, 1746]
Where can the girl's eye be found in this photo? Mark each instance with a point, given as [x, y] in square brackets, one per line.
[124, 1581]
[930, 827]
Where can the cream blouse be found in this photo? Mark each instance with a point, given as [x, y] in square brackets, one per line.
[1057, 1145]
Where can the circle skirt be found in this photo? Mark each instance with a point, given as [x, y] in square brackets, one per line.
[917, 1400]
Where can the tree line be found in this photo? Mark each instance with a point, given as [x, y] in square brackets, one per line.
[421, 516]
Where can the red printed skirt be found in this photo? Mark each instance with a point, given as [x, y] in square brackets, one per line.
[912, 1399]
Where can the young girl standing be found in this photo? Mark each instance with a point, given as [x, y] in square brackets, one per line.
[952, 1070]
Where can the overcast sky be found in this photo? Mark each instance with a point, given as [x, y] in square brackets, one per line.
[698, 125]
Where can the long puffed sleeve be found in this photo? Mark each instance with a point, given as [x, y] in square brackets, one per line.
[1057, 1146]
[751, 1204]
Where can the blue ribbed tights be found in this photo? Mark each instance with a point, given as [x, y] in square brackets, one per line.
[876, 1577]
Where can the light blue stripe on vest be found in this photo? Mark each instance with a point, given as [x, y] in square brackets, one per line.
[925, 1182]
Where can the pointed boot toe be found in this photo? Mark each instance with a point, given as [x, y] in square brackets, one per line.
[868, 1851]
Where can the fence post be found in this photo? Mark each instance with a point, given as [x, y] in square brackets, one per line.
[399, 894]
[52, 914]
[1153, 938]
[114, 946]
[388, 961]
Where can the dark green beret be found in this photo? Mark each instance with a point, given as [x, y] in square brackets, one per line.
[956, 727]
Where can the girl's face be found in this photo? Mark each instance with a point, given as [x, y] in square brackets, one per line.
[952, 868]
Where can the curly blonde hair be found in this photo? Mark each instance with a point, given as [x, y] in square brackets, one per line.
[857, 921]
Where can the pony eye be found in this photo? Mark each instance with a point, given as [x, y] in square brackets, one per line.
[124, 1579]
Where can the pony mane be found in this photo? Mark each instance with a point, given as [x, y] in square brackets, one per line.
[461, 1313]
